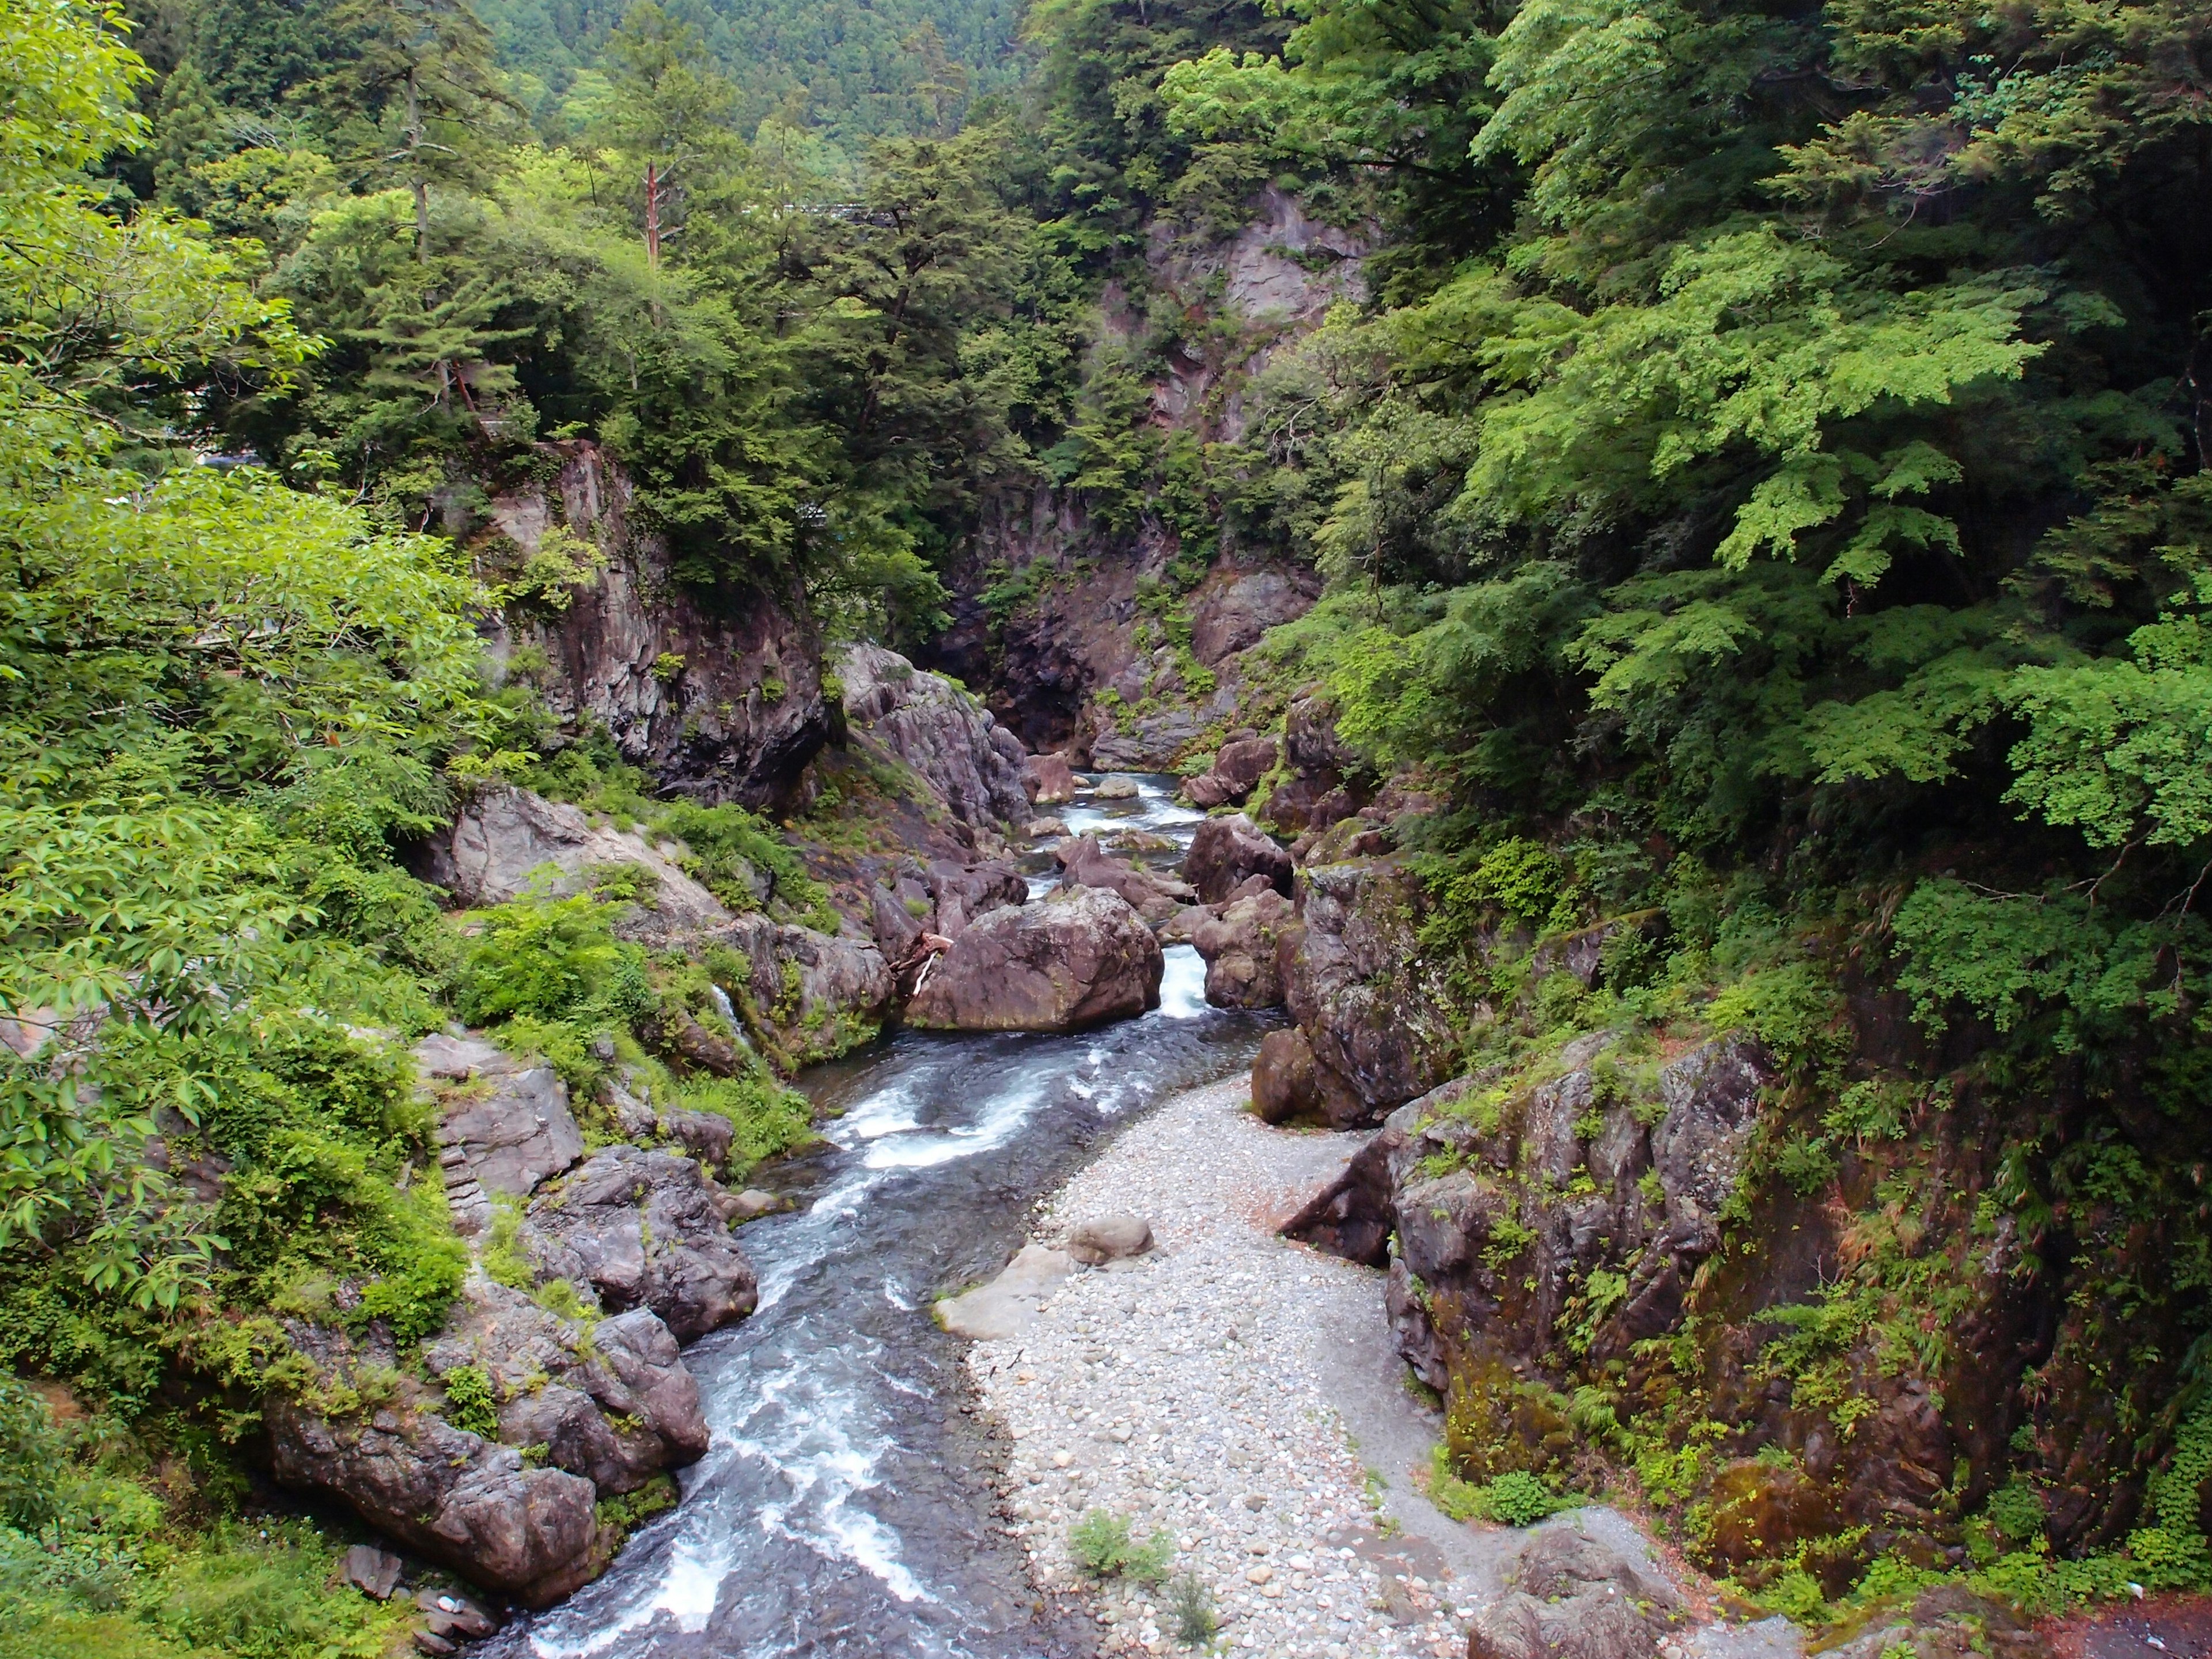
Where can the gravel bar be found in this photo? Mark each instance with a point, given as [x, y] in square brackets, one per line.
[1184, 1389]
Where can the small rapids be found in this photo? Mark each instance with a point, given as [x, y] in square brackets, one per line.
[842, 1508]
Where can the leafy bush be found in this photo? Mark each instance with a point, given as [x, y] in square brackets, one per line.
[1516, 1499]
[767, 1117]
[1103, 1548]
[469, 1405]
[30, 1459]
[542, 958]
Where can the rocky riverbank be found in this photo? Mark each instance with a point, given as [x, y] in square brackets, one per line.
[1220, 1392]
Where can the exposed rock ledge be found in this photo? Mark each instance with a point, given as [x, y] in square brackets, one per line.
[492, 1459]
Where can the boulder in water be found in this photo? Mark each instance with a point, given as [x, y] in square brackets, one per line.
[1080, 958]
[1239, 948]
[1049, 779]
[1154, 897]
[1115, 787]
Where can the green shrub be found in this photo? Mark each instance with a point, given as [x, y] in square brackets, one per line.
[1191, 1607]
[1103, 1548]
[30, 1458]
[767, 1117]
[1516, 1499]
[469, 1405]
[542, 959]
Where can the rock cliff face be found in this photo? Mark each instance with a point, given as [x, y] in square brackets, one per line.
[1076, 663]
[718, 693]
[974, 763]
[1610, 1231]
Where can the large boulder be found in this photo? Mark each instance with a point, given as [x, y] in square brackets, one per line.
[1577, 1597]
[1236, 770]
[940, 730]
[1226, 852]
[1377, 1012]
[467, 1503]
[643, 1229]
[616, 1407]
[600, 1413]
[505, 842]
[1154, 897]
[504, 1125]
[1288, 1086]
[1048, 779]
[1239, 946]
[1079, 958]
[964, 892]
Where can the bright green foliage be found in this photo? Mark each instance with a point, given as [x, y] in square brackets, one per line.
[1105, 1547]
[469, 1403]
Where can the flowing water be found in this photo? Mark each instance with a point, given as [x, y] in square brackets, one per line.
[841, 1509]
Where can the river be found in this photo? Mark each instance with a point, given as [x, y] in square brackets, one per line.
[843, 1507]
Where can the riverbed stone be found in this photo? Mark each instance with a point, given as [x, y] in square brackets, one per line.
[1008, 1304]
[1115, 787]
[1225, 851]
[504, 1123]
[1100, 1238]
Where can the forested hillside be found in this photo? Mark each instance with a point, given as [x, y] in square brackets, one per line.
[1751, 461]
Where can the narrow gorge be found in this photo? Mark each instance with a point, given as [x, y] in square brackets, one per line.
[1348, 830]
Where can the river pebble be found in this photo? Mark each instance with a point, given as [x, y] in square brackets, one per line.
[1179, 1389]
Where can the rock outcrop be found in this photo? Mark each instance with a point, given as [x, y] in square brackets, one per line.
[638, 1228]
[972, 762]
[1154, 897]
[504, 1125]
[1323, 787]
[1577, 1597]
[1376, 1015]
[1226, 852]
[1049, 779]
[1079, 958]
[1240, 948]
[505, 842]
[716, 693]
[809, 995]
[467, 1503]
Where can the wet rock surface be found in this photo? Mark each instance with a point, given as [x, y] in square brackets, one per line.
[1079, 958]
[809, 994]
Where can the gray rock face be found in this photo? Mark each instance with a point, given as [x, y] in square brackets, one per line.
[1154, 897]
[1151, 743]
[809, 994]
[1577, 1597]
[467, 1503]
[741, 713]
[940, 730]
[1080, 958]
[508, 841]
[1320, 792]
[1377, 1017]
[372, 1572]
[1712, 1106]
[1226, 852]
[505, 1125]
[1239, 946]
[642, 1229]
[1102, 1238]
